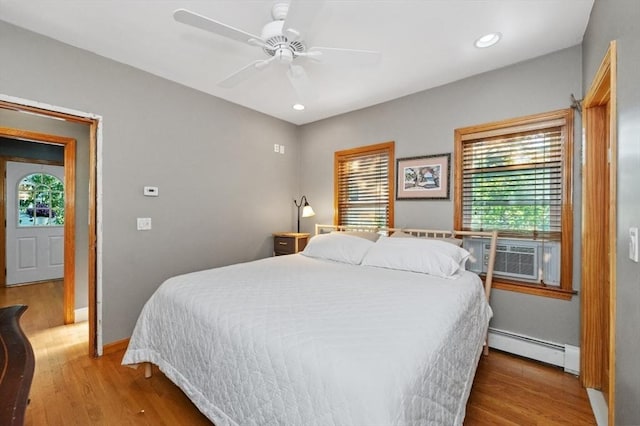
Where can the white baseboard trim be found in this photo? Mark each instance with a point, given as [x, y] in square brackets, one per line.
[599, 406]
[572, 359]
[565, 356]
[81, 314]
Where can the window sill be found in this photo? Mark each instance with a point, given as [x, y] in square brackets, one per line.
[534, 289]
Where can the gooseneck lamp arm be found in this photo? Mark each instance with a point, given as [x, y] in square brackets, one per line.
[307, 211]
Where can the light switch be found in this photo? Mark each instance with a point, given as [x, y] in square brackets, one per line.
[281, 149]
[144, 223]
[633, 244]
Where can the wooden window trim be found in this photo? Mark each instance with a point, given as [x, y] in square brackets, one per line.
[523, 124]
[535, 289]
[386, 147]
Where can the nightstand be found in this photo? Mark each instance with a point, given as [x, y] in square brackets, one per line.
[289, 242]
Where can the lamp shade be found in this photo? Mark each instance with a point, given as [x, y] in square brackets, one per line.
[307, 211]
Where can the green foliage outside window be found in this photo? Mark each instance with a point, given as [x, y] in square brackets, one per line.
[40, 201]
[508, 202]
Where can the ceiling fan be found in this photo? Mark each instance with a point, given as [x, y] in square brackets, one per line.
[282, 41]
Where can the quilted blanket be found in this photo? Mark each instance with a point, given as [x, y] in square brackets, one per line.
[293, 340]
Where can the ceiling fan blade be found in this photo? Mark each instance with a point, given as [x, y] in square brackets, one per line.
[300, 17]
[314, 55]
[300, 82]
[342, 56]
[244, 73]
[188, 17]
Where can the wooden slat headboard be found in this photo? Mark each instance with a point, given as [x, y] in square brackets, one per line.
[426, 233]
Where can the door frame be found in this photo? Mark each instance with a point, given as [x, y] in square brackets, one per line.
[69, 145]
[94, 284]
[600, 155]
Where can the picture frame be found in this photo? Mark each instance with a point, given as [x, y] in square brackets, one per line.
[426, 177]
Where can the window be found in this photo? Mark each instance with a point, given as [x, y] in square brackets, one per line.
[40, 201]
[364, 186]
[515, 177]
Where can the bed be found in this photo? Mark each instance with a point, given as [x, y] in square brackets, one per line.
[335, 335]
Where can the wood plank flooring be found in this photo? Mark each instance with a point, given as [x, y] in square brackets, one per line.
[509, 390]
[70, 388]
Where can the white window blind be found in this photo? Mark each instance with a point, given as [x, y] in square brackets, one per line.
[363, 187]
[513, 183]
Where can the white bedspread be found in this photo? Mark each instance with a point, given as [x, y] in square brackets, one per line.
[292, 340]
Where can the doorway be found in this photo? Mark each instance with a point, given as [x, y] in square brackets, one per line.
[93, 125]
[598, 293]
[69, 156]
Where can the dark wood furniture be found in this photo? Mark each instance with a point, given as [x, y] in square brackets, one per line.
[289, 242]
[16, 366]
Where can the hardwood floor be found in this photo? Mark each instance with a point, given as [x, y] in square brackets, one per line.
[509, 390]
[69, 388]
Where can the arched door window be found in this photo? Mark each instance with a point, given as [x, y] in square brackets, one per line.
[40, 200]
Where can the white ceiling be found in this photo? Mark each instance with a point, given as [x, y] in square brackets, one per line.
[423, 43]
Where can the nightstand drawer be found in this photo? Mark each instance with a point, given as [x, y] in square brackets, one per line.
[284, 245]
[289, 242]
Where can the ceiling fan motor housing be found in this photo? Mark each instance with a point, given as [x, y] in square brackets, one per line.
[279, 44]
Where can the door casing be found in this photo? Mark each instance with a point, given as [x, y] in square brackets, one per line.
[69, 145]
[94, 123]
[599, 200]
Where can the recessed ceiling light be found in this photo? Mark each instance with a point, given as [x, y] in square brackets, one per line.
[488, 40]
[298, 107]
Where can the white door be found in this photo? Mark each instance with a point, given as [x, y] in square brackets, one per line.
[35, 222]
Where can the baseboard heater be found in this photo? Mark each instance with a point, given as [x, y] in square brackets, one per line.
[565, 356]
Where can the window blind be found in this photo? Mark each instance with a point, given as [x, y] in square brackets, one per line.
[513, 183]
[363, 188]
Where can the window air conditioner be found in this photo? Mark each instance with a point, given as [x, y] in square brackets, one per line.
[525, 260]
[515, 260]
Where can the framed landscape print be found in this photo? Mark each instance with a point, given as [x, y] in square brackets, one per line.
[423, 178]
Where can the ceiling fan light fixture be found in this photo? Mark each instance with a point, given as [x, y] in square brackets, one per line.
[284, 55]
[298, 107]
[488, 40]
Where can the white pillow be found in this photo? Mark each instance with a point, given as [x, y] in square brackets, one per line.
[424, 255]
[338, 247]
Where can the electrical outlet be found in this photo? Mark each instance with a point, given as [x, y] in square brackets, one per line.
[144, 223]
[276, 147]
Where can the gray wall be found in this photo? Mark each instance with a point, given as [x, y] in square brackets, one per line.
[79, 132]
[620, 20]
[223, 190]
[422, 124]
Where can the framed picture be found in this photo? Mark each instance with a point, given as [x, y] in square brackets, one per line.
[423, 178]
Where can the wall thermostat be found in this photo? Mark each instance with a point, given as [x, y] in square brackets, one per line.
[151, 191]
